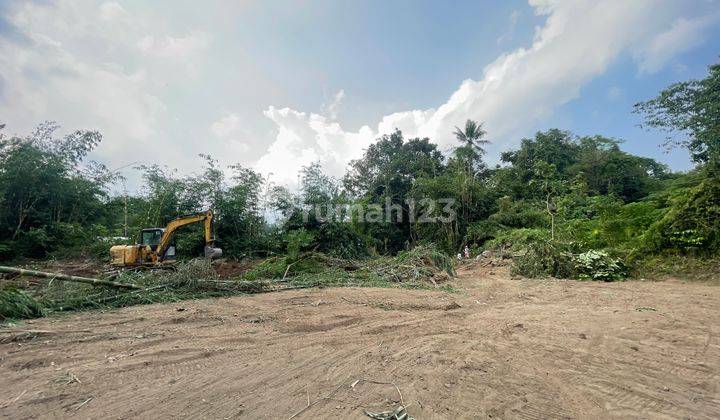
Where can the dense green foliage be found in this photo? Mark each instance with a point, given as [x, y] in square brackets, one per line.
[559, 204]
[690, 109]
[17, 304]
[47, 201]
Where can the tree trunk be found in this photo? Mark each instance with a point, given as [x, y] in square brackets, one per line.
[21, 219]
[552, 217]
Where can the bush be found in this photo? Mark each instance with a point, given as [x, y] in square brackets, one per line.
[692, 225]
[612, 225]
[276, 267]
[481, 231]
[598, 265]
[99, 248]
[426, 256]
[341, 240]
[543, 257]
[6, 251]
[700, 269]
[415, 268]
[521, 214]
[298, 240]
[16, 304]
[270, 268]
[517, 239]
[190, 272]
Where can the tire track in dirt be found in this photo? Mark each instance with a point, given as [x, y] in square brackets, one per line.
[508, 348]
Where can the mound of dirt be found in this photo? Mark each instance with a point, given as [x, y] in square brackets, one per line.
[232, 268]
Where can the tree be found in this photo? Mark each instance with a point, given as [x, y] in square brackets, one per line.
[550, 184]
[469, 155]
[47, 199]
[383, 179]
[472, 136]
[458, 201]
[553, 146]
[240, 225]
[316, 187]
[608, 170]
[390, 166]
[690, 108]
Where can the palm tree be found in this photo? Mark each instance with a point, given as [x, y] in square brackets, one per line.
[472, 136]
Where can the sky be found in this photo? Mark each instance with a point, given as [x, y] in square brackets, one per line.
[276, 85]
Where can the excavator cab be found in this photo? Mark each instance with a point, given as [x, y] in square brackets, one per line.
[151, 237]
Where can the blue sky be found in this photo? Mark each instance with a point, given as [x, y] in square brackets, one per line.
[276, 85]
[606, 104]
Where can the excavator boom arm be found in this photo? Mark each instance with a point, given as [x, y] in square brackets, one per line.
[171, 227]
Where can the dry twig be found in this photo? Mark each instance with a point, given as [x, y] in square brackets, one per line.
[327, 397]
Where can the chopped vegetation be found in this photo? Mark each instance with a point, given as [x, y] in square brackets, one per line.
[559, 205]
[420, 268]
[17, 304]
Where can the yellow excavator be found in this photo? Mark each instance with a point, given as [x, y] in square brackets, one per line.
[157, 247]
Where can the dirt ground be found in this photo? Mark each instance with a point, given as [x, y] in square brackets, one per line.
[497, 348]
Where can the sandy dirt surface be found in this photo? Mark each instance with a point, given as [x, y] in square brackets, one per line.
[498, 348]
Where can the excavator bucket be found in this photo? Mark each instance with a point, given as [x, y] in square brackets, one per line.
[212, 252]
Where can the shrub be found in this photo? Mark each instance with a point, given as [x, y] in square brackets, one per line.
[426, 256]
[517, 239]
[270, 268]
[16, 304]
[298, 240]
[598, 265]
[481, 231]
[341, 240]
[543, 257]
[188, 273]
[6, 251]
[521, 214]
[335, 238]
[691, 225]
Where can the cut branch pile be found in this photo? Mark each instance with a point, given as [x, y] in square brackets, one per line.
[419, 267]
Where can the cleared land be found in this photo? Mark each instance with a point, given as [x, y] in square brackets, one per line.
[498, 348]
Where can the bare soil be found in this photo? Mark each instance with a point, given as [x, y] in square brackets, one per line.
[499, 347]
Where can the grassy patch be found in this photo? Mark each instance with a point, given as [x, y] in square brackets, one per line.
[683, 267]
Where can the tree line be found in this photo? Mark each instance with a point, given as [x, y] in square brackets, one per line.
[557, 194]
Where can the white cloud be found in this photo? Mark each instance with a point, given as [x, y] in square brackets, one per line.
[306, 138]
[140, 73]
[226, 126]
[231, 133]
[508, 35]
[331, 109]
[174, 47]
[78, 63]
[682, 36]
[111, 10]
[577, 42]
[48, 81]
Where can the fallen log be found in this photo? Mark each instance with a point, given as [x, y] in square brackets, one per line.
[67, 277]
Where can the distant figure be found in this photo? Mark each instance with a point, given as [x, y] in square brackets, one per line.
[467, 252]
[459, 257]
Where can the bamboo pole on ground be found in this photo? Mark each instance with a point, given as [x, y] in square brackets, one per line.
[67, 277]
